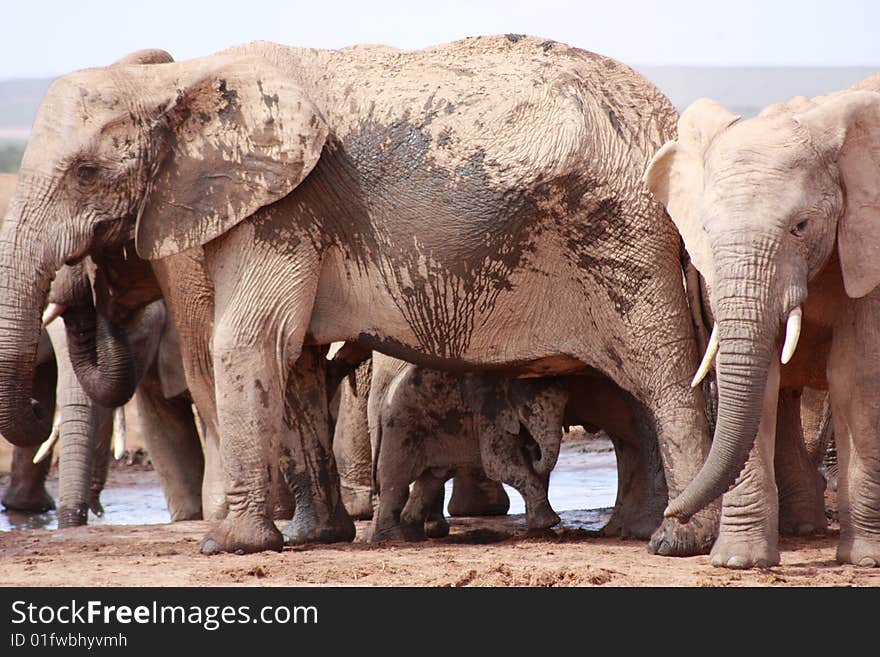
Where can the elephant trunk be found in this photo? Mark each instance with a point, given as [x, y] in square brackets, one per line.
[78, 427]
[101, 356]
[26, 270]
[747, 327]
[549, 443]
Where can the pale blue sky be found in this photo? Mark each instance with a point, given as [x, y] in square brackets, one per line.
[51, 37]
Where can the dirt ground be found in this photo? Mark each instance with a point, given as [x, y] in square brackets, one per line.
[479, 552]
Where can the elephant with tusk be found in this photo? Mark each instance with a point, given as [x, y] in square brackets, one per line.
[780, 214]
[476, 205]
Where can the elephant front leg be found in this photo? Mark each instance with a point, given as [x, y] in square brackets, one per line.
[250, 411]
[801, 487]
[680, 433]
[307, 458]
[853, 369]
[749, 533]
[504, 459]
[677, 413]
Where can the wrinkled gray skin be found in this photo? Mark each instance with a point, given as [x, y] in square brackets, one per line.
[780, 212]
[473, 493]
[423, 430]
[431, 205]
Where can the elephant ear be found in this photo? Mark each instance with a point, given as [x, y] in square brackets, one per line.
[849, 124]
[675, 177]
[237, 135]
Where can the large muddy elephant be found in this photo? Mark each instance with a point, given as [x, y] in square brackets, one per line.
[781, 215]
[470, 206]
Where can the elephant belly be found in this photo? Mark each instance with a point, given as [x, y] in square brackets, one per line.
[530, 329]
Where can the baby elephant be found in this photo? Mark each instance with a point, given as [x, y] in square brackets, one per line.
[427, 425]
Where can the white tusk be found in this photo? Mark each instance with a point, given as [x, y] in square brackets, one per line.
[708, 357]
[334, 347]
[52, 312]
[46, 447]
[119, 433]
[792, 333]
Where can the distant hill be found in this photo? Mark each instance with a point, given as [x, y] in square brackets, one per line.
[19, 100]
[747, 90]
[742, 90]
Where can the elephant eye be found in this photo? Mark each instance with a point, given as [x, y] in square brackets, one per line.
[86, 173]
[799, 227]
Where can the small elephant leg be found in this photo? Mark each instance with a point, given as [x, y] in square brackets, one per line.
[27, 483]
[852, 377]
[307, 458]
[749, 533]
[170, 436]
[505, 459]
[801, 487]
[474, 494]
[424, 509]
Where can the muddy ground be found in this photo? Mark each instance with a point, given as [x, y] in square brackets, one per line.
[479, 552]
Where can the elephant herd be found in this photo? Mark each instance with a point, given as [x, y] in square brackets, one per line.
[486, 227]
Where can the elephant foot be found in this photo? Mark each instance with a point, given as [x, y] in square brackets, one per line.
[358, 502]
[437, 527]
[306, 528]
[636, 523]
[76, 516]
[674, 539]
[859, 552]
[20, 499]
[742, 551]
[477, 497]
[242, 535]
[802, 519]
[542, 516]
[404, 532]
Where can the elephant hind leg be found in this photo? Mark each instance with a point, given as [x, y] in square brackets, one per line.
[307, 458]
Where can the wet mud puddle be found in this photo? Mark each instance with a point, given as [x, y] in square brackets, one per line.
[583, 487]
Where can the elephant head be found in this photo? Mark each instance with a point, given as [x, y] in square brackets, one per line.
[170, 154]
[760, 204]
[509, 405]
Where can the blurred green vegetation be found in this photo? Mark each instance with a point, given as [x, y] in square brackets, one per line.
[10, 156]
